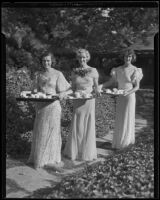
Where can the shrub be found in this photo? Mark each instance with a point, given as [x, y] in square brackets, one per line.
[19, 115]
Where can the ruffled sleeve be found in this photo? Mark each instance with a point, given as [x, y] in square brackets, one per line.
[62, 83]
[113, 73]
[95, 73]
[137, 75]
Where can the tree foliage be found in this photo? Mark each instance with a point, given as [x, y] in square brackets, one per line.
[98, 29]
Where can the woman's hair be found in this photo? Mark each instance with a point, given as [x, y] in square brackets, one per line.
[49, 53]
[130, 52]
[80, 51]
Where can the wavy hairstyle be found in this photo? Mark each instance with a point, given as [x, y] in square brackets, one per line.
[130, 52]
[49, 53]
[80, 51]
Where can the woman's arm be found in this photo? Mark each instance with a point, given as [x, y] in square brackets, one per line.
[64, 93]
[63, 87]
[95, 81]
[107, 83]
[95, 84]
[134, 89]
[136, 78]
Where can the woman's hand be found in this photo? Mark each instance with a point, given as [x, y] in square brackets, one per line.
[62, 95]
[100, 87]
[126, 93]
[97, 91]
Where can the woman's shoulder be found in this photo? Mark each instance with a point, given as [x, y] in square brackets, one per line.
[92, 69]
[56, 72]
[136, 69]
[114, 69]
[137, 73]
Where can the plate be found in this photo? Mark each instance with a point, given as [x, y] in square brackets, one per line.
[114, 94]
[111, 93]
[72, 97]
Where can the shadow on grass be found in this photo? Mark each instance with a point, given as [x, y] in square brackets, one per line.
[104, 145]
[41, 193]
[16, 161]
[12, 186]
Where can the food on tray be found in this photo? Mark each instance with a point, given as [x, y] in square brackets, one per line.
[114, 91]
[120, 91]
[49, 96]
[79, 95]
[35, 91]
[41, 95]
[87, 95]
[108, 91]
[35, 96]
[84, 94]
[25, 94]
[70, 97]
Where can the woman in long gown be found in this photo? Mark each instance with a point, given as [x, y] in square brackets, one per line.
[128, 78]
[81, 144]
[46, 139]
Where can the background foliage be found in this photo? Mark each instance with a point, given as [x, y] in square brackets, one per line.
[29, 31]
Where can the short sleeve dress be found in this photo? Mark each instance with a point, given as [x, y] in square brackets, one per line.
[46, 139]
[124, 133]
[81, 143]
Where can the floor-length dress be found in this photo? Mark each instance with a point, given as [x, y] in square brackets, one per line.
[81, 144]
[124, 133]
[46, 139]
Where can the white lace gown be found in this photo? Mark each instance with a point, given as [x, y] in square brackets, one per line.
[46, 140]
[124, 133]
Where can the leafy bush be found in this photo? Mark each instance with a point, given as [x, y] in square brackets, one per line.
[19, 115]
[105, 114]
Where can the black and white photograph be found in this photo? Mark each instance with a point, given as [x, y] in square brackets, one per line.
[80, 99]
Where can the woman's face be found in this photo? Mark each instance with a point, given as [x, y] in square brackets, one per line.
[47, 62]
[82, 58]
[128, 59]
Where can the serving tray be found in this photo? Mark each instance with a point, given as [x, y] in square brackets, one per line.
[37, 99]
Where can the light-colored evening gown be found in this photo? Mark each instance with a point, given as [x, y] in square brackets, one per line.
[124, 133]
[81, 144]
[46, 139]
